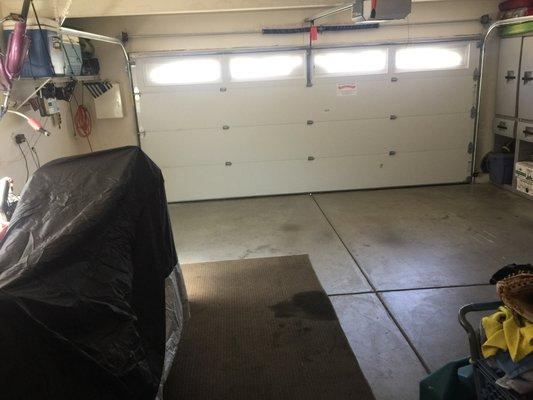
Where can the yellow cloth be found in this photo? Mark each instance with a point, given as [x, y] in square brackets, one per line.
[507, 331]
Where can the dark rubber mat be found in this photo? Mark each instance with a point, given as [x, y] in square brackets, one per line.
[262, 329]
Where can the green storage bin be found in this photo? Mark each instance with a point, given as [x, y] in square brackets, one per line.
[446, 384]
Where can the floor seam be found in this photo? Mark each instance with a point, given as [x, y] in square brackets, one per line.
[375, 291]
[466, 285]
[350, 293]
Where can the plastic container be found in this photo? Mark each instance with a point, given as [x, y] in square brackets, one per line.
[50, 53]
[501, 167]
[72, 55]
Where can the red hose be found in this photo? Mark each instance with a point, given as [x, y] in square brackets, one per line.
[82, 121]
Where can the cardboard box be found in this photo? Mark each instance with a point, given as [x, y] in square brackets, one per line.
[524, 186]
[524, 170]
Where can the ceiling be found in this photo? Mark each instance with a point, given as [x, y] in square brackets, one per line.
[99, 8]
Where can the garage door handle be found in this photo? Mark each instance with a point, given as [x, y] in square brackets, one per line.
[528, 76]
[510, 76]
[501, 126]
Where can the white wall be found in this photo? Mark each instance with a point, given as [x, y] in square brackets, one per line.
[61, 143]
[98, 8]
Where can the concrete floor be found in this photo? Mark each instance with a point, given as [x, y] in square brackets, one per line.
[397, 263]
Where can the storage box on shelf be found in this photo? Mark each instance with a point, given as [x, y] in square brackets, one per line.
[50, 52]
[524, 186]
[524, 170]
[524, 177]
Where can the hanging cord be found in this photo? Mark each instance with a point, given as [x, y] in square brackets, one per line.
[34, 155]
[90, 145]
[40, 133]
[25, 162]
[81, 119]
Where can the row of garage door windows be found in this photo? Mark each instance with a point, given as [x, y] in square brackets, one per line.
[190, 70]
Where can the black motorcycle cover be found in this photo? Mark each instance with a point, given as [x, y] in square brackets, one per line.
[82, 270]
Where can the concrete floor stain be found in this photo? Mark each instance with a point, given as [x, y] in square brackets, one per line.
[309, 305]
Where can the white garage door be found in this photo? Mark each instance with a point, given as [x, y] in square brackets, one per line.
[233, 125]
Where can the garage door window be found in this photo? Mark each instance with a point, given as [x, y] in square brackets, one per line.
[351, 62]
[186, 71]
[430, 58]
[266, 67]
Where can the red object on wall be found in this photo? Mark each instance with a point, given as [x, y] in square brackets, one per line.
[512, 4]
[82, 121]
[373, 8]
[313, 32]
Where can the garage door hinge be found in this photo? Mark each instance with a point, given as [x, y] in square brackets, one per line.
[470, 148]
[142, 134]
[477, 74]
[132, 63]
[473, 112]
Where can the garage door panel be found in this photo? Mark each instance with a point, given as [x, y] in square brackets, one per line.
[423, 133]
[298, 176]
[212, 109]
[428, 96]
[251, 106]
[367, 102]
[324, 139]
[168, 111]
[242, 106]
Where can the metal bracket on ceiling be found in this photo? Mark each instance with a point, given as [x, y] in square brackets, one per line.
[334, 10]
[485, 20]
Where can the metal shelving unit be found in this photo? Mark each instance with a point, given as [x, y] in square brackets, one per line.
[514, 120]
[65, 79]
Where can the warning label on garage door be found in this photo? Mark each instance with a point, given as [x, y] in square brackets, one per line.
[346, 89]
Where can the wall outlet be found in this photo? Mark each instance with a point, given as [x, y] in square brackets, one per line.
[19, 138]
